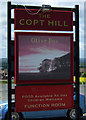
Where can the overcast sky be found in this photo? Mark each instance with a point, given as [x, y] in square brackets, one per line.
[53, 3]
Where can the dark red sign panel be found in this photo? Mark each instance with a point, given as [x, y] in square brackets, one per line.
[43, 58]
[41, 98]
[26, 19]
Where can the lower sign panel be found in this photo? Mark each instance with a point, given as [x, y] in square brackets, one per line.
[43, 97]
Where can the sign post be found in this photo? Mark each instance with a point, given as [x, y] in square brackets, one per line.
[77, 60]
[42, 21]
[9, 61]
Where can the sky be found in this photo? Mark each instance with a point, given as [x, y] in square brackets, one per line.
[53, 3]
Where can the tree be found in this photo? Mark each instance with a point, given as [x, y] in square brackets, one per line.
[45, 65]
[83, 74]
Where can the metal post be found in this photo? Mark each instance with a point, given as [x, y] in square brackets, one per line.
[9, 60]
[77, 59]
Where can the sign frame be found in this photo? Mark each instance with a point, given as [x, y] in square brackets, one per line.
[41, 81]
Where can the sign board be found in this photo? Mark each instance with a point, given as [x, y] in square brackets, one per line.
[55, 20]
[43, 58]
[43, 97]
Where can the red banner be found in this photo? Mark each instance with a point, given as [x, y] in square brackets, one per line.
[26, 19]
[43, 97]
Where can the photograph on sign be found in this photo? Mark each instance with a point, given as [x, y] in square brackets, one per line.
[43, 97]
[54, 20]
[43, 57]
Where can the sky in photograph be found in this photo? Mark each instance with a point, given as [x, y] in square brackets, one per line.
[34, 49]
[53, 3]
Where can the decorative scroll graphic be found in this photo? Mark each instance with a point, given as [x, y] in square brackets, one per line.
[37, 98]
[44, 56]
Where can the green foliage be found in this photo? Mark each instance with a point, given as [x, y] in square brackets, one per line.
[83, 74]
[6, 82]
